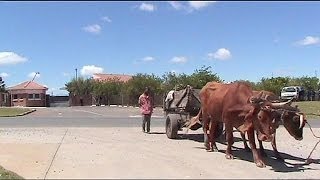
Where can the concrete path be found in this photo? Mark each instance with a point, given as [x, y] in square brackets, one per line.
[36, 153]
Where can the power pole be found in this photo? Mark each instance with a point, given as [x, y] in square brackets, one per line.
[76, 74]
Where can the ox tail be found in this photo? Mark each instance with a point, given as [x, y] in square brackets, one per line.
[194, 121]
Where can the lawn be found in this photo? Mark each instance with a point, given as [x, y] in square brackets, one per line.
[5, 174]
[11, 111]
[309, 107]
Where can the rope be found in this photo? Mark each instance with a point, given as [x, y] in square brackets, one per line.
[308, 160]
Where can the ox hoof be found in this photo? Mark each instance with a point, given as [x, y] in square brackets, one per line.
[229, 156]
[260, 164]
[206, 145]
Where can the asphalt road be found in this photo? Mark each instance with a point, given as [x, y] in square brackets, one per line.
[89, 117]
[82, 117]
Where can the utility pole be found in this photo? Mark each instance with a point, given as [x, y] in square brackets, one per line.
[76, 74]
[32, 78]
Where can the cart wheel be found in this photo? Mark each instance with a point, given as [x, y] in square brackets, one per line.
[172, 126]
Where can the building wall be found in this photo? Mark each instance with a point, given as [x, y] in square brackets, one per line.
[23, 100]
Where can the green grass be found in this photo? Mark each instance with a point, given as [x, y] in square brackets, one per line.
[5, 174]
[309, 107]
[11, 111]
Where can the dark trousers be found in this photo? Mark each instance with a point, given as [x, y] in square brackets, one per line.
[146, 120]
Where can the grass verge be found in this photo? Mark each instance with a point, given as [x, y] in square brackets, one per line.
[309, 107]
[11, 111]
[5, 174]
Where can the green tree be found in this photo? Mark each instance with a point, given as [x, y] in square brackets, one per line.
[272, 84]
[80, 86]
[309, 83]
[2, 85]
[137, 84]
[202, 76]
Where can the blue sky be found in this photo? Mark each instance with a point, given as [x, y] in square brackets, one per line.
[239, 40]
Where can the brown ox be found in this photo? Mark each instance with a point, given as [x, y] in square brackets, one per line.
[291, 117]
[236, 106]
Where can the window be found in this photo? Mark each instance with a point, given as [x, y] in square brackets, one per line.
[34, 96]
[15, 96]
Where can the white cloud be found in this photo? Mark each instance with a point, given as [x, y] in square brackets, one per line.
[94, 28]
[65, 74]
[11, 58]
[148, 59]
[221, 54]
[309, 40]
[147, 7]
[106, 19]
[3, 75]
[32, 74]
[179, 59]
[90, 70]
[176, 5]
[200, 4]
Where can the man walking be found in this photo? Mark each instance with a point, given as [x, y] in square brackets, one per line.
[146, 107]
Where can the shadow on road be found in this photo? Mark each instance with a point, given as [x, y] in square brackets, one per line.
[276, 165]
[298, 164]
[157, 133]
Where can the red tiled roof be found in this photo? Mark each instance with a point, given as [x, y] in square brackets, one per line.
[28, 85]
[107, 77]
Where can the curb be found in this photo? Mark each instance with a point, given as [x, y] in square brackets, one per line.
[22, 114]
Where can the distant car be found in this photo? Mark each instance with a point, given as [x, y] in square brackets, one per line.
[292, 92]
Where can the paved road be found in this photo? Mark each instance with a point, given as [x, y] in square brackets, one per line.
[83, 117]
[89, 117]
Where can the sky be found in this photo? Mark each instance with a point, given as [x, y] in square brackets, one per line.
[239, 40]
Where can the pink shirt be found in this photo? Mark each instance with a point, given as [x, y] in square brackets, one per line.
[145, 103]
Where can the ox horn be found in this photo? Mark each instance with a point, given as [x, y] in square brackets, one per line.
[301, 119]
[282, 103]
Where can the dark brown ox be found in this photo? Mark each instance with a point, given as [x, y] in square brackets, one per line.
[236, 106]
[291, 117]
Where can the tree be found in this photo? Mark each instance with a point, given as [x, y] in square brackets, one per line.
[272, 84]
[80, 87]
[202, 76]
[2, 85]
[137, 84]
[197, 79]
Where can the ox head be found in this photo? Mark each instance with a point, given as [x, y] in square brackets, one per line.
[293, 120]
[265, 120]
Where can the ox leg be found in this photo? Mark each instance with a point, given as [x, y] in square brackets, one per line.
[275, 150]
[246, 147]
[261, 149]
[205, 127]
[256, 154]
[229, 137]
[213, 129]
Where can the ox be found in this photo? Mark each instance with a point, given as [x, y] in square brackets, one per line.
[291, 117]
[235, 106]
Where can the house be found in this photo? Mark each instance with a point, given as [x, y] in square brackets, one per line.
[28, 94]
